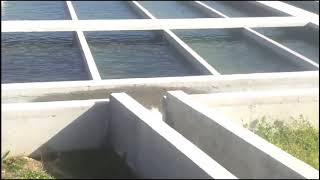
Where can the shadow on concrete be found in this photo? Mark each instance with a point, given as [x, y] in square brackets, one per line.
[81, 149]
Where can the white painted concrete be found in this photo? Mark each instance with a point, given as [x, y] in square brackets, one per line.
[265, 41]
[85, 50]
[243, 153]
[31, 128]
[246, 107]
[148, 24]
[153, 149]
[26, 92]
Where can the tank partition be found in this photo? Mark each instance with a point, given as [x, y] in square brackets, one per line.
[153, 149]
[140, 138]
[243, 153]
[155, 88]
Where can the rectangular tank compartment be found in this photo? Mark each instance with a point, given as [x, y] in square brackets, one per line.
[104, 10]
[243, 9]
[303, 40]
[172, 9]
[311, 6]
[135, 54]
[34, 10]
[231, 52]
[39, 57]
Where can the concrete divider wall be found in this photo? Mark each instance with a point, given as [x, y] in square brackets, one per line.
[243, 153]
[51, 91]
[153, 149]
[33, 128]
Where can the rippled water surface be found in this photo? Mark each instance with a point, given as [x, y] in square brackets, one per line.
[37, 57]
[299, 39]
[104, 10]
[172, 9]
[231, 53]
[135, 54]
[242, 9]
[311, 6]
[34, 10]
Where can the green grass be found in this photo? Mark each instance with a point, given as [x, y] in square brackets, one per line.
[22, 168]
[297, 137]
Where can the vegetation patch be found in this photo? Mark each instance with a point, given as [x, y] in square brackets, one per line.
[297, 137]
[22, 167]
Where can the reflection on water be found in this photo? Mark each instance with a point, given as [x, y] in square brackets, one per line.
[104, 10]
[300, 39]
[35, 57]
[172, 9]
[34, 10]
[230, 52]
[135, 54]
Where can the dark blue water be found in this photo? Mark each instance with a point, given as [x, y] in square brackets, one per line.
[135, 54]
[34, 10]
[104, 10]
[299, 39]
[172, 9]
[39, 57]
[311, 6]
[230, 52]
[242, 9]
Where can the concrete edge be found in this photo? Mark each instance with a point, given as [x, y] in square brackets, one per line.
[264, 146]
[158, 80]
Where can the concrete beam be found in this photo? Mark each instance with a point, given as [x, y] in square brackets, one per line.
[148, 24]
[21, 92]
[85, 50]
[265, 41]
[153, 149]
[239, 150]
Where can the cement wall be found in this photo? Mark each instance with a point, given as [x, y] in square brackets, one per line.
[153, 149]
[33, 128]
[155, 88]
[243, 153]
[246, 107]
